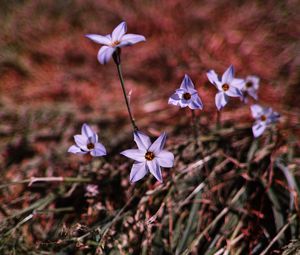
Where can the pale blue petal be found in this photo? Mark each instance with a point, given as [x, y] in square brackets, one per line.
[252, 93]
[195, 103]
[255, 81]
[212, 77]
[142, 140]
[138, 171]
[187, 83]
[258, 129]
[274, 117]
[238, 83]
[105, 53]
[176, 96]
[81, 141]
[76, 150]
[135, 154]
[133, 39]
[228, 75]
[221, 100]
[99, 150]
[119, 31]
[165, 158]
[94, 138]
[233, 92]
[101, 39]
[154, 169]
[175, 99]
[86, 131]
[159, 143]
[256, 110]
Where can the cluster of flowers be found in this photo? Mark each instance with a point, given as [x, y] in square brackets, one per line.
[228, 86]
[150, 157]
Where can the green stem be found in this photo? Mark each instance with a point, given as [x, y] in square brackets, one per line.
[116, 57]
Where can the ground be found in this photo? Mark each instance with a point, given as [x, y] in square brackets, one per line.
[242, 198]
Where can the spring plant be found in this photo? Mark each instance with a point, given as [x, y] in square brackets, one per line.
[149, 156]
[87, 142]
[245, 203]
[186, 95]
[264, 117]
[249, 88]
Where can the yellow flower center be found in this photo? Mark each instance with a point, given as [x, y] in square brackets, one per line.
[149, 155]
[263, 118]
[187, 96]
[90, 146]
[225, 87]
[115, 43]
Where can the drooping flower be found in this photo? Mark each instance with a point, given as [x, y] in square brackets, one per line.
[91, 190]
[249, 87]
[117, 39]
[227, 86]
[186, 95]
[149, 156]
[87, 142]
[264, 116]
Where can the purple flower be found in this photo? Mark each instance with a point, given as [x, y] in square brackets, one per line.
[264, 116]
[117, 39]
[186, 95]
[249, 87]
[91, 190]
[227, 86]
[149, 156]
[87, 142]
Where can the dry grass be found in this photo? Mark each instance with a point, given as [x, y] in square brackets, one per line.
[243, 200]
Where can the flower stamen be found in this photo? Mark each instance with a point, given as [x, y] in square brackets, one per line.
[225, 87]
[115, 43]
[187, 96]
[263, 118]
[149, 155]
[90, 146]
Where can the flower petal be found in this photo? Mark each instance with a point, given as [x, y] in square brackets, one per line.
[154, 169]
[105, 53]
[87, 131]
[99, 150]
[238, 83]
[256, 110]
[142, 141]
[212, 77]
[159, 144]
[119, 31]
[133, 39]
[255, 81]
[101, 39]
[76, 150]
[253, 93]
[138, 171]
[135, 154]
[258, 129]
[221, 100]
[187, 83]
[176, 99]
[196, 103]
[234, 92]
[228, 75]
[165, 158]
[81, 141]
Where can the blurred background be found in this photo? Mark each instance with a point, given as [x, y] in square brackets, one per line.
[51, 81]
